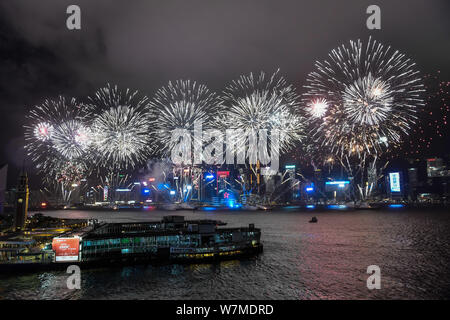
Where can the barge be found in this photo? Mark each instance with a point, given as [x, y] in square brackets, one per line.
[172, 240]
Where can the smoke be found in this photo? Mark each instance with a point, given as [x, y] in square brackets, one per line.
[158, 170]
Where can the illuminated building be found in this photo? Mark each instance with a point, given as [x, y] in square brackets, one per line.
[436, 168]
[438, 176]
[11, 247]
[173, 238]
[22, 195]
[294, 183]
[413, 183]
[338, 189]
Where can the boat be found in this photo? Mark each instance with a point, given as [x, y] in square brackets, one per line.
[364, 205]
[173, 240]
[350, 204]
[186, 206]
[249, 207]
[313, 220]
[170, 207]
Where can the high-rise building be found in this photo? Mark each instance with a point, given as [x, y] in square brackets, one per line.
[413, 183]
[436, 168]
[22, 194]
[294, 183]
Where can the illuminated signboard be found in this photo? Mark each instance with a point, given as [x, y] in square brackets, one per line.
[223, 174]
[394, 181]
[66, 249]
[105, 193]
[209, 176]
[339, 183]
[290, 166]
[310, 187]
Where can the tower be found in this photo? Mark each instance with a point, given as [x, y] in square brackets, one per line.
[21, 202]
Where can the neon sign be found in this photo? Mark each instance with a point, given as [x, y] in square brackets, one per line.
[394, 181]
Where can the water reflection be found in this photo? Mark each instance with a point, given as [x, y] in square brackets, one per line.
[327, 260]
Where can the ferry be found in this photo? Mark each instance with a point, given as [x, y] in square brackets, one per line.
[173, 239]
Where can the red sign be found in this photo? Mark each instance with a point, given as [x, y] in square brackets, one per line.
[151, 179]
[223, 174]
[66, 249]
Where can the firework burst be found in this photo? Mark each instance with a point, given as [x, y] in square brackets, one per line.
[120, 126]
[363, 99]
[317, 107]
[71, 138]
[263, 103]
[179, 105]
[68, 173]
[56, 131]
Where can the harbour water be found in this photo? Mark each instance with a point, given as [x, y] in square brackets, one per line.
[301, 260]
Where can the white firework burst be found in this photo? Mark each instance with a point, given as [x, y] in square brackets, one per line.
[43, 131]
[263, 103]
[318, 107]
[179, 105]
[52, 132]
[120, 128]
[371, 93]
[71, 138]
[368, 101]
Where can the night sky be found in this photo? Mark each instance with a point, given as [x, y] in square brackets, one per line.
[144, 44]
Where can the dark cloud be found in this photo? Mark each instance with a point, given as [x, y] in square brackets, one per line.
[149, 42]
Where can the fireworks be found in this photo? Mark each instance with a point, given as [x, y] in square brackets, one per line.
[263, 103]
[178, 106]
[367, 101]
[71, 138]
[363, 99]
[68, 173]
[359, 103]
[43, 131]
[120, 127]
[318, 107]
[56, 131]
[431, 131]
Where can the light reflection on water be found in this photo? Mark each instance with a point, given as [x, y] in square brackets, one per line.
[301, 260]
